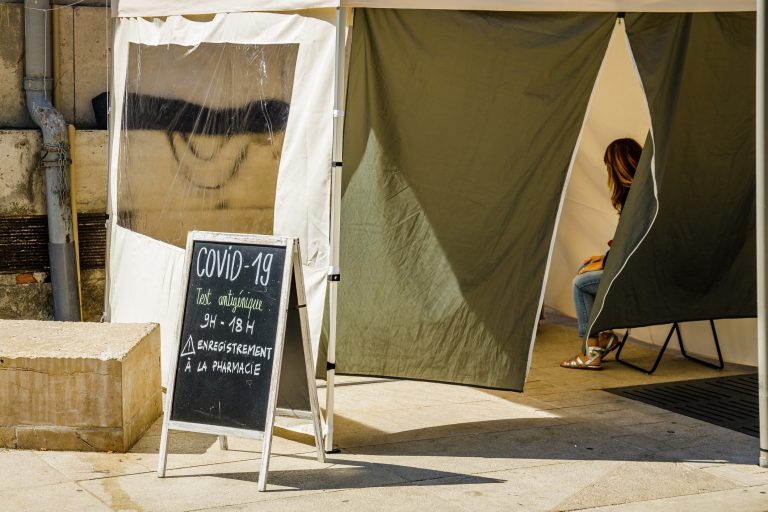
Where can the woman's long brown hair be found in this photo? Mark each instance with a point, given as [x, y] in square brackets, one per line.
[621, 157]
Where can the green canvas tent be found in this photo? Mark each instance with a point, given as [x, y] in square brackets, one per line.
[459, 138]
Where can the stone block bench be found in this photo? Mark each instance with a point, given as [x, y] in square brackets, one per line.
[77, 386]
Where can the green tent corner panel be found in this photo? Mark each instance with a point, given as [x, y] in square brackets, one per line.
[459, 131]
[685, 246]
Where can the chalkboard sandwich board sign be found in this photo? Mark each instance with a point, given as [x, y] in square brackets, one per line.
[243, 354]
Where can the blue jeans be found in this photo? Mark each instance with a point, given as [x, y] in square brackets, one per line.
[584, 291]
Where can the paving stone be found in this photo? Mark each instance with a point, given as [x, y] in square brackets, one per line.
[63, 497]
[232, 483]
[750, 499]
[21, 469]
[84, 466]
[666, 436]
[536, 488]
[741, 451]
[740, 474]
[185, 448]
[480, 453]
[388, 499]
[445, 447]
[411, 423]
[641, 481]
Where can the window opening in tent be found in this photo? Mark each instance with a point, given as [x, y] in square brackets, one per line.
[202, 135]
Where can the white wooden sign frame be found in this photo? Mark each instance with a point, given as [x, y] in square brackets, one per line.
[291, 268]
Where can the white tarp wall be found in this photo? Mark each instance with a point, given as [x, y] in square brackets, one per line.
[145, 273]
[618, 109]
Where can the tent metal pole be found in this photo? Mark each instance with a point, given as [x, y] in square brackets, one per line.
[334, 273]
[106, 314]
[762, 235]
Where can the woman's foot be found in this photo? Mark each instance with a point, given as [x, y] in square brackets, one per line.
[607, 341]
[592, 360]
[589, 361]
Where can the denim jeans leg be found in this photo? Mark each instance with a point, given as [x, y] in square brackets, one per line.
[584, 291]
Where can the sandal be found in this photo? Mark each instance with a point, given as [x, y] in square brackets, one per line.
[589, 361]
[607, 341]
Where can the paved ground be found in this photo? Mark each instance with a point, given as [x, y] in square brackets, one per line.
[562, 445]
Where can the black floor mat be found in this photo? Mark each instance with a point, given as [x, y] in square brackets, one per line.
[729, 402]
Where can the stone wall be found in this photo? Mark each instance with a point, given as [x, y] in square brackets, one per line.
[81, 39]
[80, 57]
[25, 289]
[77, 386]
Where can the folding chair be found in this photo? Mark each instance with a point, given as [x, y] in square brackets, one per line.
[675, 329]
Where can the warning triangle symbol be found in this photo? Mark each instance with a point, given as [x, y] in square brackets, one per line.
[189, 348]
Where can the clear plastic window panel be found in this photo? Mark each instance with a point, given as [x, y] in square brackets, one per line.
[201, 138]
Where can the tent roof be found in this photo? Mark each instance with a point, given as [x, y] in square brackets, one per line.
[143, 8]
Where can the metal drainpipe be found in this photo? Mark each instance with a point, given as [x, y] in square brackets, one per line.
[55, 159]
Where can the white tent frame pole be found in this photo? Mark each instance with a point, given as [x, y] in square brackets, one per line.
[762, 235]
[334, 273]
[106, 314]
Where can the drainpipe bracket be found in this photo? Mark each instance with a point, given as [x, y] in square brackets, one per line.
[38, 84]
[55, 155]
[54, 163]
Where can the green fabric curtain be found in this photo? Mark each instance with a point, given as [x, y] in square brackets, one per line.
[459, 130]
[690, 255]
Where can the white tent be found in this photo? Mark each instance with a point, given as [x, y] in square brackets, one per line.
[145, 274]
[141, 265]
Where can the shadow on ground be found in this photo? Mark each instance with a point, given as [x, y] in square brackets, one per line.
[357, 475]
[611, 430]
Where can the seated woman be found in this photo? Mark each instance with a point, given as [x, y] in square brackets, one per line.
[621, 157]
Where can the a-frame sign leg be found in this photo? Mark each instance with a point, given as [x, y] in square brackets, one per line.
[300, 309]
[266, 450]
[162, 458]
[298, 282]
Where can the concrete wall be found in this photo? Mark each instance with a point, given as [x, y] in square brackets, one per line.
[22, 190]
[81, 63]
[84, 53]
[27, 295]
[75, 386]
[81, 53]
[13, 110]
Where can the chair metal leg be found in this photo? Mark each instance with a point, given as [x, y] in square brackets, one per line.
[617, 346]
[675, 329]
[721, 363]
